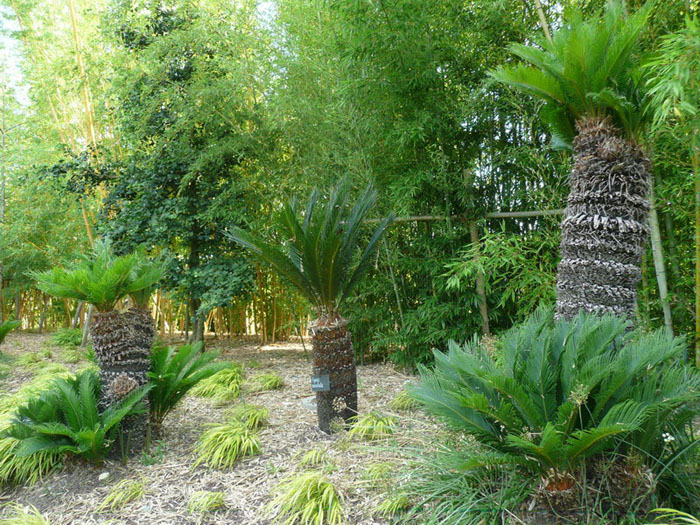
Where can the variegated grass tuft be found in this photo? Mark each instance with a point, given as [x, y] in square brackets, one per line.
[265, 382]
[253, 416]
[16, 514]
[203, 502]
[314, 457]
[308, 499]
[123, 493]
[222, 386]
[403, 401]
[222, 445]
[372, 426]
[392, 505]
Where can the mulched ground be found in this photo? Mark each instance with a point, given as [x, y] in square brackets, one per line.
[72, 495]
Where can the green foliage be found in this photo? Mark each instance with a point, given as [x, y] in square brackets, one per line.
[392, 505]
[403, 401]
[263, 382]
[6, 327]
[18, 469]
[224, 385]
[562, 392]
[587, 70]
[314, 457]
[676, 516]
[101, 279]
[222, 445]
[252, 416]
[65, 418]
[317, 252]
[16, 514]
[372, 426]
[379, 471]
[123, 493]
[307, 499]
[68, 337]
[153, 457]
[174, 372]
[203, 502]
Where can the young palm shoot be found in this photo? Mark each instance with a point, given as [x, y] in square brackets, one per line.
[317, 256]
[121, 340]
[587, 77]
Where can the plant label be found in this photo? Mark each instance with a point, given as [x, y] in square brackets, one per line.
[320, 383]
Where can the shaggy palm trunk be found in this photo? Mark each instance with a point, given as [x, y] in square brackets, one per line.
[122, 343]
[333, 356]
[605, 224]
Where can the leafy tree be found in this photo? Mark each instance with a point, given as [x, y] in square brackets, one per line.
[586, 76]
[317, 258]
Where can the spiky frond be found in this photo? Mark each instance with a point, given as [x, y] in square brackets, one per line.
[100, 279]
[6, 327]
[317, 252]
[587, 70]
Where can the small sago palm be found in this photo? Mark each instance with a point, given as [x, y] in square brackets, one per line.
[121, 340]
[586, 76]
[317, 256]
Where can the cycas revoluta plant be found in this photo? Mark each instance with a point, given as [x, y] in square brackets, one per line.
[121, 340]
[6, 327]
[65, 418]
[317, 256]
[173, 373]
[586, 76]
[563, 392]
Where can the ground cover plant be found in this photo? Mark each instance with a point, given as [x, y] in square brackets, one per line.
[307, 498]
[222, 445]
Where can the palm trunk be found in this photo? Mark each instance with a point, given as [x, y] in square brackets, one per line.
[605, 224]
[122, 343]
[333, 356]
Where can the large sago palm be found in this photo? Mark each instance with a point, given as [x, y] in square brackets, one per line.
[122, 339]
[319, 256]
[586, 75]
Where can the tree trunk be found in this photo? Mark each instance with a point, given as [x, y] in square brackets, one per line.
[659, 266]
[122, 343]
[333, 356]
[605, 224]
[76, 317]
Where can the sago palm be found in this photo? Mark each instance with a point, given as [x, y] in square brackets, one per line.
[318, 255]
[587, 78]
[121, 339]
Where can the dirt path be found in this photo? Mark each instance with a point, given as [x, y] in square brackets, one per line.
[72, 495]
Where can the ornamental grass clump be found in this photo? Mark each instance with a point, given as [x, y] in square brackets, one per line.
[314, 457]
[403, 401]
[67, 337]
[264, 382]
[222, 445]
[224, 385]
[16, 514]
[372, 426]
[568, 397]
[307, 499]
[123, 493]
[204, 502]
[252, 416]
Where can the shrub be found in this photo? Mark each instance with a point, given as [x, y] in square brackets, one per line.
[174, 372]
[263, 382]
[563, 392]
[222, 445]
[6, 327]
[252, 416]
[224, 385]
[123, 493]
[65, 418]
[373, 426]
[21, 515]
[203, 501]
[69, 337]
[307, 498]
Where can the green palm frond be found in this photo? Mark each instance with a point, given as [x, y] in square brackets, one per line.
[102, 278]
[586, 70]
[318, 252]
[6, 327]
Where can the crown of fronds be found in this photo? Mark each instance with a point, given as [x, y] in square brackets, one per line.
[587, 70]
[563, 391]
[101, 278]
[317, 252]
